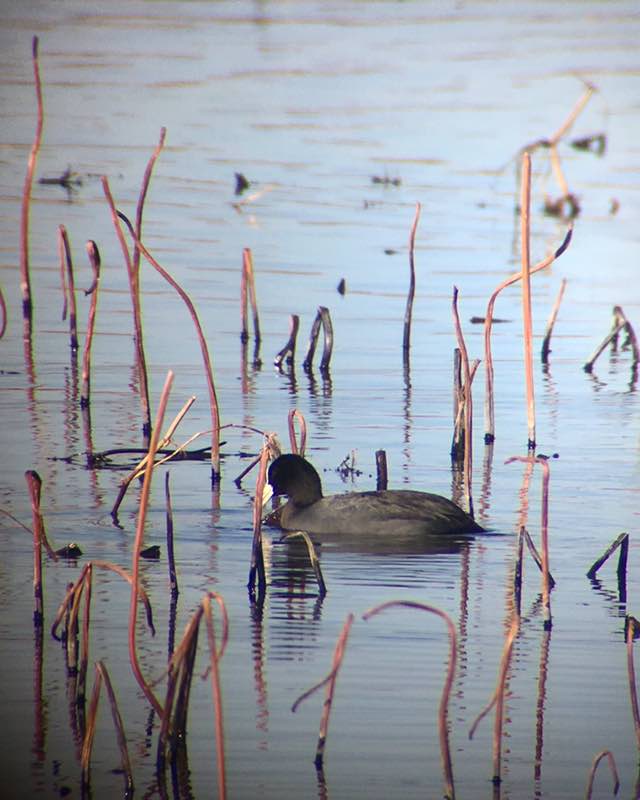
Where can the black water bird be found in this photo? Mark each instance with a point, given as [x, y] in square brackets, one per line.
[391, 512]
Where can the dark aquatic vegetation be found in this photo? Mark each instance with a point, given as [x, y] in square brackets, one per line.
[392, 512]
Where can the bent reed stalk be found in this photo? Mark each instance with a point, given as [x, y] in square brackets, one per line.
[594, 767]
[497, 700]
[443, 711]
[330, 683]
[134, 291]
[294, 415]
[25, 280]
[489, 420]
[208, 368]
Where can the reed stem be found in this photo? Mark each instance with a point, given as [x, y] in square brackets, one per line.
[294, 415]
[248, 289]
[443, 711]
[142, 513]
[134, 290]
[257, 569]
[594, 766]
[288, 352]
[68, 286]
[489, 419]
[94, 260]
[25, 280]
[34, 485]
[406, 338]
[173, 578]
[102, 676]
[468, 404]
[525, 208]
[208, 368]
[330, 683]
[546, 342]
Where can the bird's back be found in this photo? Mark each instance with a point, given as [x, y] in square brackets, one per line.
[394, 511]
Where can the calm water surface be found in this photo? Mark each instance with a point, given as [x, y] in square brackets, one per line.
[310, 101]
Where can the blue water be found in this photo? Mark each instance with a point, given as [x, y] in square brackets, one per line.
[310, 102]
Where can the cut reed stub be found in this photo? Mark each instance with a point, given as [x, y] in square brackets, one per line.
[322, 319]
[622, 542]
[248, 292]
[288, 352]
[619, 323]
[94, 259]
[546, 342]
[382, 477]
[68, 286]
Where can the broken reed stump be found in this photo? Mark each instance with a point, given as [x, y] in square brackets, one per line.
[134, 292]
[323, 318]
[248, 290]
[68, 286]
[204, 349]
[621, 542]
[546, 341]
[525, 208]
[94, 260]
[443, 709]
[25, 280]
[330, 683]
[619, 323]
[406, 338]
[382, 474]
[489, 418]
[102, 677]
[288, 352]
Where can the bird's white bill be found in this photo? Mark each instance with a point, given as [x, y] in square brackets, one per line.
[267, 493]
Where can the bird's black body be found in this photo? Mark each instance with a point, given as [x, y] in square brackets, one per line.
[390, 512]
